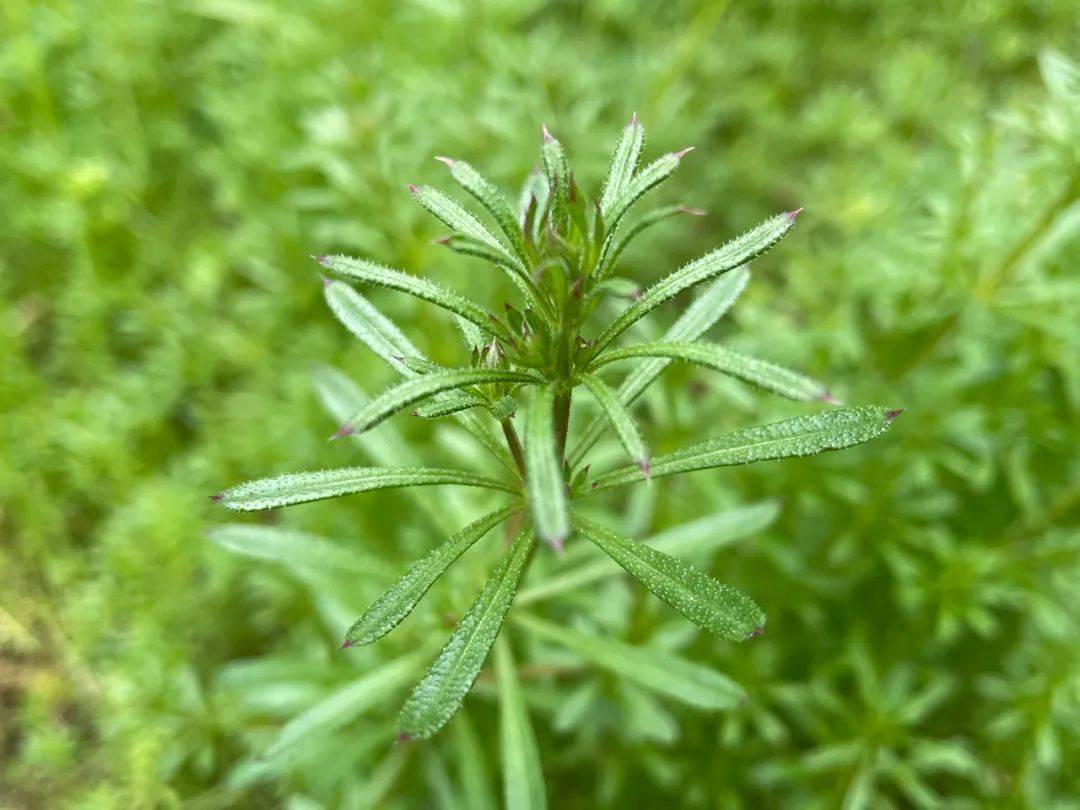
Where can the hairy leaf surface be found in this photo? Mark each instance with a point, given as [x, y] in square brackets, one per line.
[439, 695]
[719, 609]
[544, 479]
[398, 602]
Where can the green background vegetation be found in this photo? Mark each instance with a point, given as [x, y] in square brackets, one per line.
[167, 168]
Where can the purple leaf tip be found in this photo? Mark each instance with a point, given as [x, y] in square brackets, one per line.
[413, 189]
[633, 119]
[644, 465]
[217, 498]
[793, 214]
[343, 431]
[757, 631]
[448, 161]
[557, 545]
[346, 644]
[684, 152]
[829, 399]
[546, 134]
[891, 415]
[694, 212]
[325, 281]
[323, 260]
[443, 240]
[403, 737]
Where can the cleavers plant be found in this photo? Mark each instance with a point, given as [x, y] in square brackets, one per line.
[560, 249]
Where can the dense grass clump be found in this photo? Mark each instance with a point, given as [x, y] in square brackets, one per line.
[167, 169]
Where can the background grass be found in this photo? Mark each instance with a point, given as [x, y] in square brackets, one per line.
[166, 169]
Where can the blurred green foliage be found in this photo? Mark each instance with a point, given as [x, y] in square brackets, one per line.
[167, 168]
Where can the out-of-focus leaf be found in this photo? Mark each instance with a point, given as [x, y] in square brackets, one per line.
[774, 378]
[436, 698]
[394, 605]
[283, 490]
[294, 549]
[523, 779]
[649, 667]
[801, 436]
[345, 705]
[719, 609]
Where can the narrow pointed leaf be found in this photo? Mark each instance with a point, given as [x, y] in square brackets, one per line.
[697, 539]
[345, 705]
[456, 217]
[412, 391]
[774, 378]
[620, 419]
[648, 178]
[440, 694]
[719, 609]
[706, 310]
[372, 273]
[492, 199]
[553, 158]
[514, 270]
[449, 403]
[731, 255]
[361, 318]
[624, 161]
[523, 779]
[801, 436]
[283, 490]
[398, 602]
[654, 669]
[544, 482]
[534, 198]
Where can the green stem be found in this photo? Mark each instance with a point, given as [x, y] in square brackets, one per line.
[514, 443]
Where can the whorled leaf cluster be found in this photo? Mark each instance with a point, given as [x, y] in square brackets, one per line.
[560, 250]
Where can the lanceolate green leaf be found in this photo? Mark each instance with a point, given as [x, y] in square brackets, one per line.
[649, 667]
[624, 161]
[283, 490]
[758, 372]
[544, 482]
[523, 779]
[456, 217]
[620, 419]
[450, 678]
[648, 178]
[447, 404]
[736, 252]
[719, 609]
[373, 328]
[372, 273]
[706, 310]
[412, 391]
[696, 539]
[801, 436]
[398, 602]
[553, 157]
[492, 199]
